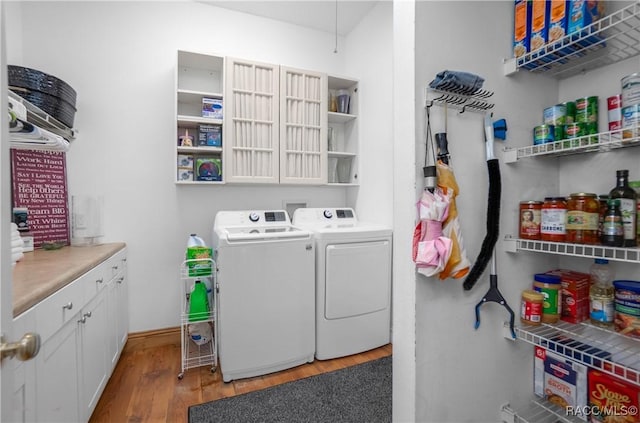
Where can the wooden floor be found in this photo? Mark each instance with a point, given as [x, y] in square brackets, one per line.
[144, 386]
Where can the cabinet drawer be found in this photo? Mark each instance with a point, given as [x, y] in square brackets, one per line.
[94, 281]
[54, 311]
[115, 265]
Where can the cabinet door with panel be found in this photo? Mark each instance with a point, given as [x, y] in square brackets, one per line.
[24, 379]
[57, 375]
[251, 149]
[117, 308]
[303, 126]
[93, 327]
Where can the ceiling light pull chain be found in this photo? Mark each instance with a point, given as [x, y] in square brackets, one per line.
[335, 50]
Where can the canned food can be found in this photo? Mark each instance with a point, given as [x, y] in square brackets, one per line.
[530, 218]
[570, 112]
[555, 115]
[587, 109]
[630, 121]
[631, 89]
[543, 134]
[589, 129]
[627, 307]
[614, 111]
[573, 131]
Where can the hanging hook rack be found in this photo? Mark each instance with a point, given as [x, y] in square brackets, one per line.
[459, 97]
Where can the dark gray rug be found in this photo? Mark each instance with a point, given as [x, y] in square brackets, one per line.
[356, 394]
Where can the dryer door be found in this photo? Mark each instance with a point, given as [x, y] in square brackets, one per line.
[357, 278]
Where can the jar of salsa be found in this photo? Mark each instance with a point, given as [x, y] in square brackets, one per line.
[583, 213]
[530, 215]
[553, 219]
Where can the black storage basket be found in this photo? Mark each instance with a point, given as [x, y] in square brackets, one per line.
[45, 91]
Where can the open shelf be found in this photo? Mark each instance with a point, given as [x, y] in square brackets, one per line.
[604, 141]
[629, 255]
[614, 38]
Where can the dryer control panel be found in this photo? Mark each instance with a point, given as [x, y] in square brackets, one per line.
[316, 216]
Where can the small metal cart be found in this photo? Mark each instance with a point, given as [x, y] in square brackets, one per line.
[193, 354]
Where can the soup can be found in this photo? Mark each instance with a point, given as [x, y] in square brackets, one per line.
[530, 218]
[543, 134]
[631, 89]
[614, 112]
[627, 308]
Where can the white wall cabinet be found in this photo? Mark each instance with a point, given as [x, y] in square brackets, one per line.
[81, 341]
[276, 124]
[200, 132]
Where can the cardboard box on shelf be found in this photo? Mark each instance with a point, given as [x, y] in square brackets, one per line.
[208, 169]
[210, 136]
[559, 380]
[575, 294]
[212, 108]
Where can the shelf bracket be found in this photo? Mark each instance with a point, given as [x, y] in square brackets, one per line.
[509, 66]
[507, 414]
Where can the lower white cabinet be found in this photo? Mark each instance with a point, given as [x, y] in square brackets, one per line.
[57, 371]
[92, 328]
[78, 356]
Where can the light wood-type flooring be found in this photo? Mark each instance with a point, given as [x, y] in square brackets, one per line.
[145, 388]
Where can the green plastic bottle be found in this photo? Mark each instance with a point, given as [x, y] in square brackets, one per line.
[198, 303]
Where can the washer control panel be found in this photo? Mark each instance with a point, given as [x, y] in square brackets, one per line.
[250, 218]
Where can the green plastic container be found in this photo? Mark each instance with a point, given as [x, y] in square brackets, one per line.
[198, 303]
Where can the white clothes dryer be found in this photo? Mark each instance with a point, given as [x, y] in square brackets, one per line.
[353, 281]
[265, 293]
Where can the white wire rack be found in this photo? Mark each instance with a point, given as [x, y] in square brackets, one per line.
[599, 348]
[194, 355]
[614, 38]
[604, 141]
[629, 255]
[40, 118]
[537, 411]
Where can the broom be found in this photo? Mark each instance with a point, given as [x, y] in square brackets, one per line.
[493, 210]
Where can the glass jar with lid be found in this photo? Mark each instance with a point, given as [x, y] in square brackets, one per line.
[554, 216]
[583, 213]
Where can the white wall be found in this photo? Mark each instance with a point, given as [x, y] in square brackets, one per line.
[369, 49]
[464, 374]
[404, 292]
[120, 58]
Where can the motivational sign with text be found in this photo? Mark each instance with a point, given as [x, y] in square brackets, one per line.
[39, 183]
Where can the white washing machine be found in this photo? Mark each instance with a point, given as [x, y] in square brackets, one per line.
[265, 293]
[353, 281]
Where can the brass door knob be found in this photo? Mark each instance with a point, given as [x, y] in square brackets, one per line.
[25, 349]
